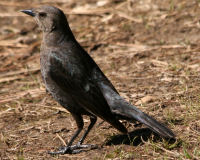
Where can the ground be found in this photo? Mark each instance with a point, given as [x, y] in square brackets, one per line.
[149, 49]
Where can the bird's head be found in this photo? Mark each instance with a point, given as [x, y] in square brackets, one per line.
[48, 18]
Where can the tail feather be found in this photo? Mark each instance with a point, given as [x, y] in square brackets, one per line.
[136, 114]
[120, 106]
[153, 124]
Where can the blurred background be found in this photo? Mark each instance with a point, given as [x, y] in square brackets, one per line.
[150, 51]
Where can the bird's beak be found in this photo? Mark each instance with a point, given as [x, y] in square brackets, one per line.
[29, 12]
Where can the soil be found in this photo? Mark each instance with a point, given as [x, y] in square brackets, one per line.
[150, 51]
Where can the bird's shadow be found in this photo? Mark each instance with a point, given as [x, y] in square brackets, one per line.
[135, 138]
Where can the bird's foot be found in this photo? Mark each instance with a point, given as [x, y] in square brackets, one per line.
[74, 149]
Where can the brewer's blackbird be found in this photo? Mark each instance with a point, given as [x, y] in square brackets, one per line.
[78, 84]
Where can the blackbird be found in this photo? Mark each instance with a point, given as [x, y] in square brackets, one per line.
[77, 83]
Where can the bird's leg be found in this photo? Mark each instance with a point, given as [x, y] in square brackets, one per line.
[77, 148]
[92, 123]
[68, 148]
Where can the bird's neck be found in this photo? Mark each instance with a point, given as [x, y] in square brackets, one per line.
[56, 37]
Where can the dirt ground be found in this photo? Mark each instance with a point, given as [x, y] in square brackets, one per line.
[149, 49]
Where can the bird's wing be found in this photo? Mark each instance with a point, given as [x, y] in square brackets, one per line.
[75, 80]
[121, 107]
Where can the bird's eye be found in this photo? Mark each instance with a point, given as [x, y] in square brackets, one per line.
[42, 14]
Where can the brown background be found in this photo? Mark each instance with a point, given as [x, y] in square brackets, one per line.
[149, 49]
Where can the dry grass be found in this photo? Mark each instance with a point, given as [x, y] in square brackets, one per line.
[149, 49]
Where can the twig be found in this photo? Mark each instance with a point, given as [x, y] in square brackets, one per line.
[9, 79]
[123, 15]
[33, 93]
[61, 139]
[12, 43]
[56, 108]
[173, 153]
[23, 71]
[89, 12]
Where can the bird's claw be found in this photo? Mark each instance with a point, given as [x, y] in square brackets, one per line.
[74, 149]
[61, 150]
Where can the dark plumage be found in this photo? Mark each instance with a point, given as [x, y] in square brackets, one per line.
[77, 83]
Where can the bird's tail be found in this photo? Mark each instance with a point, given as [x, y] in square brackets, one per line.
[151, 123]
[134, 113]
[121, 107]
